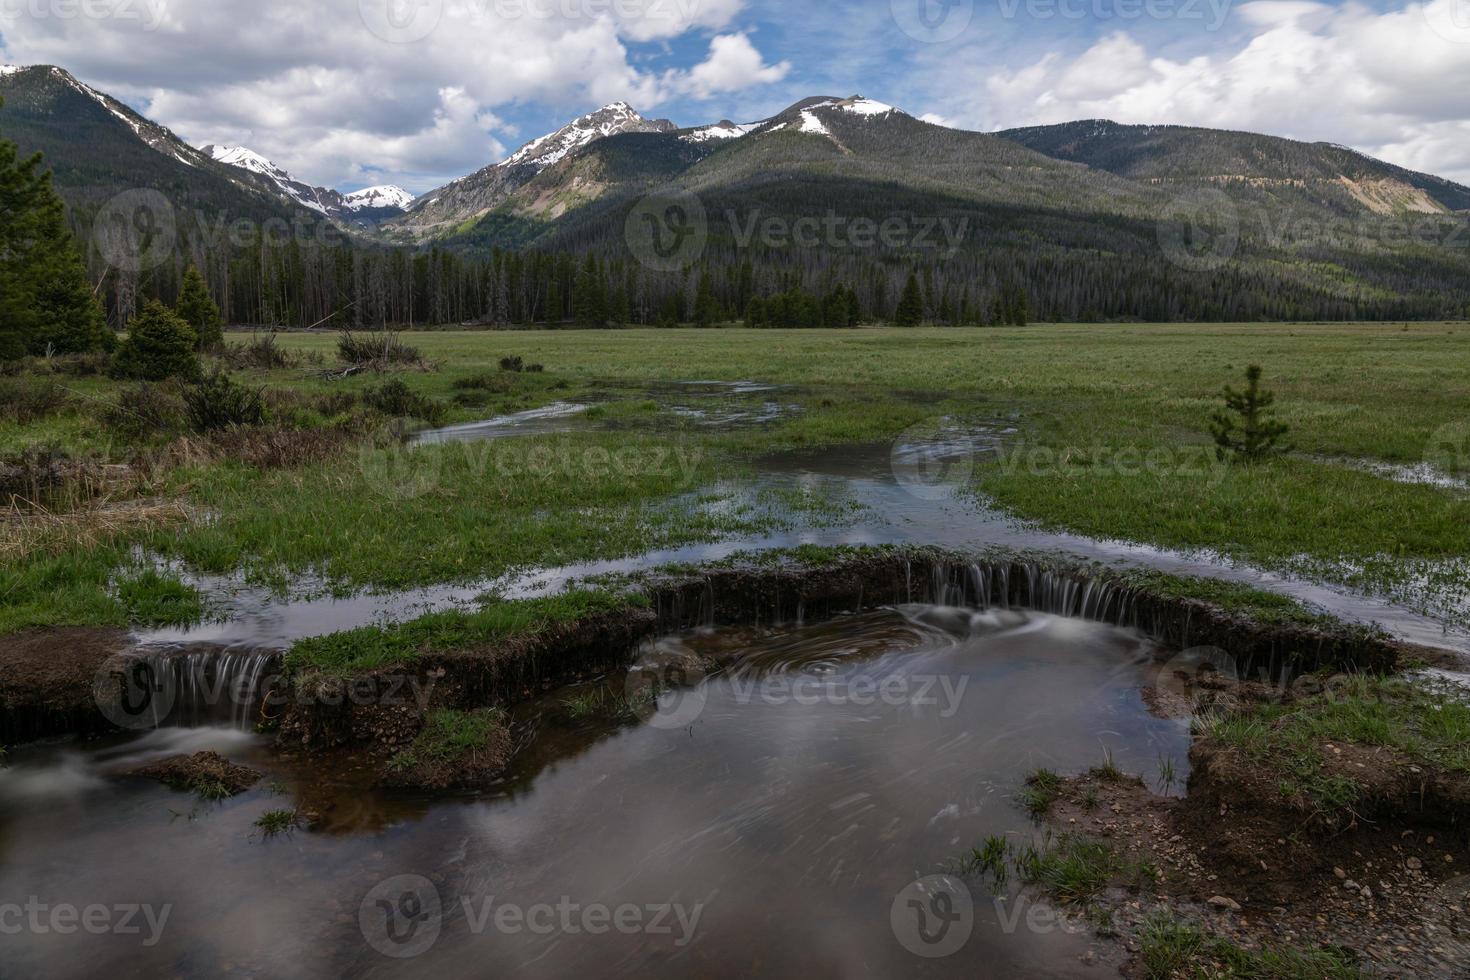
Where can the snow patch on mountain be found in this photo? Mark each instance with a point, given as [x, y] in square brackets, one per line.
[11, 70]
[619, 117]
[724, 130]
[867, 107]
[387, 196]
[811, 124]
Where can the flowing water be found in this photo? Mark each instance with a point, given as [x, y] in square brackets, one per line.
[771, 816]
[906, 492]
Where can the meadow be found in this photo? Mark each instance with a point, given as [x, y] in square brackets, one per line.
[1112, 442]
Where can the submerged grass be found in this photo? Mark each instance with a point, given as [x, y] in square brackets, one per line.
[449, 736]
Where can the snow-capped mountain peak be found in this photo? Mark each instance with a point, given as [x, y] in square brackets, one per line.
[322, 200]
[619, 117]
[387, 196]
[11, 70]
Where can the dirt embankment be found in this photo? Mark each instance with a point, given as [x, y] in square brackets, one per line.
[207, 773]
[46, 681]
[1326, 843]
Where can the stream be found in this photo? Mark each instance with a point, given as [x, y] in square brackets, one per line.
[777, 816]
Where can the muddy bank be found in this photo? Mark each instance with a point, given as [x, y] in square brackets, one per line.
[1377, 863]
[208, 774]
[384, 711]
[46, 681]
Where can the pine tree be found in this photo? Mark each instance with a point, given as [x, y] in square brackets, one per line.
[46, 302]
[910, 311]
[590, 301]
[160, 345]
[197, 308]
[1252, 433]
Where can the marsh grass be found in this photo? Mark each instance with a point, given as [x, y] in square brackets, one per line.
[1426, 721]
[1041, 791]
[1070, 388]
[448, 736]
[277, 823]
[1171, 948]
[371, 648]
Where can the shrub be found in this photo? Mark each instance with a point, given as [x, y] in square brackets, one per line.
[261, 353]
[376, 350]
[215, 402]
[1251, 433]
[159, 346]
[397, 400]
[25, 400]
[513, 364]
[145, 410]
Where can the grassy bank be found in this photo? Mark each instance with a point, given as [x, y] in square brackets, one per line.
[1088, 400]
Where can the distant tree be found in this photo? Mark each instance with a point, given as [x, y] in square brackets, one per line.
[910, 311]
[555, 312]
[198, 309]
[46, 302]
[1247, 430]
[590, 299]
[160, 345]
[706, 307]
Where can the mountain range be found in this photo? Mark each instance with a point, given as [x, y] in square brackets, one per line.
[1314, 226]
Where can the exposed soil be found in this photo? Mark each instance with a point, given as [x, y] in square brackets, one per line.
[472, 769]
[189, 772]
[1256, 869]
[46, 679]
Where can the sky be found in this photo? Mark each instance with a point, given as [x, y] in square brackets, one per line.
[353, 93]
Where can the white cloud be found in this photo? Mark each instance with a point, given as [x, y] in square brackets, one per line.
[314, 87]
[733, 63]
[1386, 83]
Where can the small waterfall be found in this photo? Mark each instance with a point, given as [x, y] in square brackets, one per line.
[191, 689]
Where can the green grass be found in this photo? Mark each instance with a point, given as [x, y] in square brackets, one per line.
[1079, 394]
[1041, 791]
[374, 648]
[1170, 949]
[448, 736]
[152, 599]
[1268, 608]
[210, 790]
[601, 704]
[276, 823]
[1075, 869]
[1427, 723]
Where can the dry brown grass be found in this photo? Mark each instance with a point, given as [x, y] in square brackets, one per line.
[37, 531]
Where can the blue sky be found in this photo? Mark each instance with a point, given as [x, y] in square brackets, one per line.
[343, 94]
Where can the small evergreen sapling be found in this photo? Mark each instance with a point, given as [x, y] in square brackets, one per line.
[198, 309]
[160, 345]
[1247, 431]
